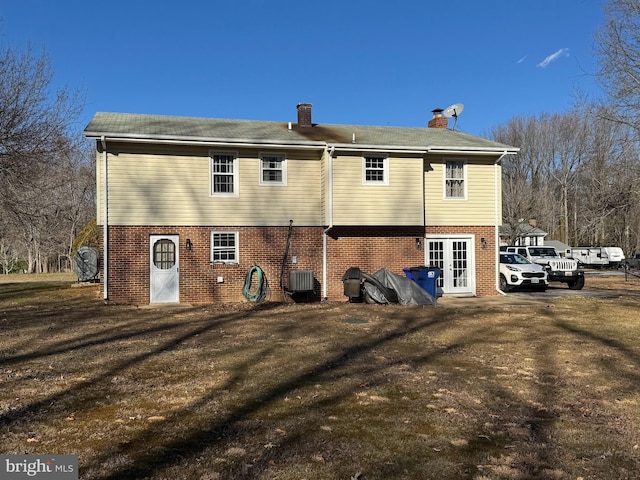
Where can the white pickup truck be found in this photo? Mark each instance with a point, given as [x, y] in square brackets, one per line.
[559, 269]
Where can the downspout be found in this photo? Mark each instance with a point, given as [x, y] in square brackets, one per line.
[326, 230]
[105, 226]
[424, 209]
[498, 220]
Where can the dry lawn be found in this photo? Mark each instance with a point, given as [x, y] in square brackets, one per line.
[464, 390]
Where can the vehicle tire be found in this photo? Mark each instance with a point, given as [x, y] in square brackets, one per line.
[577, 284]
[504, 285]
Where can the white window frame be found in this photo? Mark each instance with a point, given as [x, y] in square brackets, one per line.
[445, 179]
[283, 168]
[385, 169]
[236, 247]
[235, 174]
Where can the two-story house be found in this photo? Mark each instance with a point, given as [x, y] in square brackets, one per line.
[188, 205]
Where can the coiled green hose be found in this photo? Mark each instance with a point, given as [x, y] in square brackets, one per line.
[260, 291]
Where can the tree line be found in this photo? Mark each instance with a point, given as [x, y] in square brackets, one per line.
[578, 172]
[47, 179]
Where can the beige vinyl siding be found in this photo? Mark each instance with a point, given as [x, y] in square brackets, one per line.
[173, 188]
[398, 203]
[324, 186]
[479, 206]
[498, 211]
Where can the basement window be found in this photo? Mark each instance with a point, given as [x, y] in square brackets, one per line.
[224, 247]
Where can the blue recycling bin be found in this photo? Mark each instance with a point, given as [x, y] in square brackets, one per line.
[426, 277]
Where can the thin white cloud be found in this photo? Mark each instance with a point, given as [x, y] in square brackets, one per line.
[522, 59]
[563, 52]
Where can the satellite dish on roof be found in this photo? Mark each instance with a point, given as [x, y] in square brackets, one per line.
[453, 111]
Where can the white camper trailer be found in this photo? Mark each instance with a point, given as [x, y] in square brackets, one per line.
[590, 256]
[616, 256]
[598, 257]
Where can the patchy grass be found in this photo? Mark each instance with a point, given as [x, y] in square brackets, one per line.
[468, 390]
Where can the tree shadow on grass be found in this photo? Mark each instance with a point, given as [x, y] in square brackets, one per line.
[192, 443]
[331, 364]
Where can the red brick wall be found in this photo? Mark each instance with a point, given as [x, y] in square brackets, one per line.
[263, 246]
[368, 248]
[485, 257]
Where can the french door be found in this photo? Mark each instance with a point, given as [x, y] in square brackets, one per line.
[453, 255]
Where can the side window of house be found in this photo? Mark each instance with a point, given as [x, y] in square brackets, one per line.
[224, 247]
[375, 170]
[224, 174]
[455, 179]
[273, 169]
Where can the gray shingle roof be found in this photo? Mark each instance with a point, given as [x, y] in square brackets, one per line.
[161, 127]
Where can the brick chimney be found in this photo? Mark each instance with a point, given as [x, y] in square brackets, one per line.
[304, 115]
[438, 121]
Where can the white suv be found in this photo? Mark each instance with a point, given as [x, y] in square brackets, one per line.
[517, 271]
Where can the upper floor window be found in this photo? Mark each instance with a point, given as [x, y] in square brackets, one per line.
[224, 247]
[224, 174]
[375, 170]
[455, 179]
[273, 169]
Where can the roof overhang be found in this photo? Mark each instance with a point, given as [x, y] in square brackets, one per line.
[350, 147]
[315, 145]
[203, 141]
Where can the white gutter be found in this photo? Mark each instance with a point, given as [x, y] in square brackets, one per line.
[498, 218]
[105, 222]
[241, 142]
[428, 149]
[326, 230]
[473, 150]
[168, 140]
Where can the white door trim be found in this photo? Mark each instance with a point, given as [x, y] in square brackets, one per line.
[445, 281]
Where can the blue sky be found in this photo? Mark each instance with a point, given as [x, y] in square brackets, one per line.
[358, 62]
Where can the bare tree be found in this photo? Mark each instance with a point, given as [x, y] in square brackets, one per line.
[32, 117]
[607, 180]
[46, 174]
[537, 182]
[577, 174]
[618, 51]
[9, 245]
[566, 151]
[522, 174]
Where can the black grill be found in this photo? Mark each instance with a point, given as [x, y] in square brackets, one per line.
[533, 274]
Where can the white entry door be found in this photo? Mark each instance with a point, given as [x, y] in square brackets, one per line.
[164, 276]
[454, 257]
